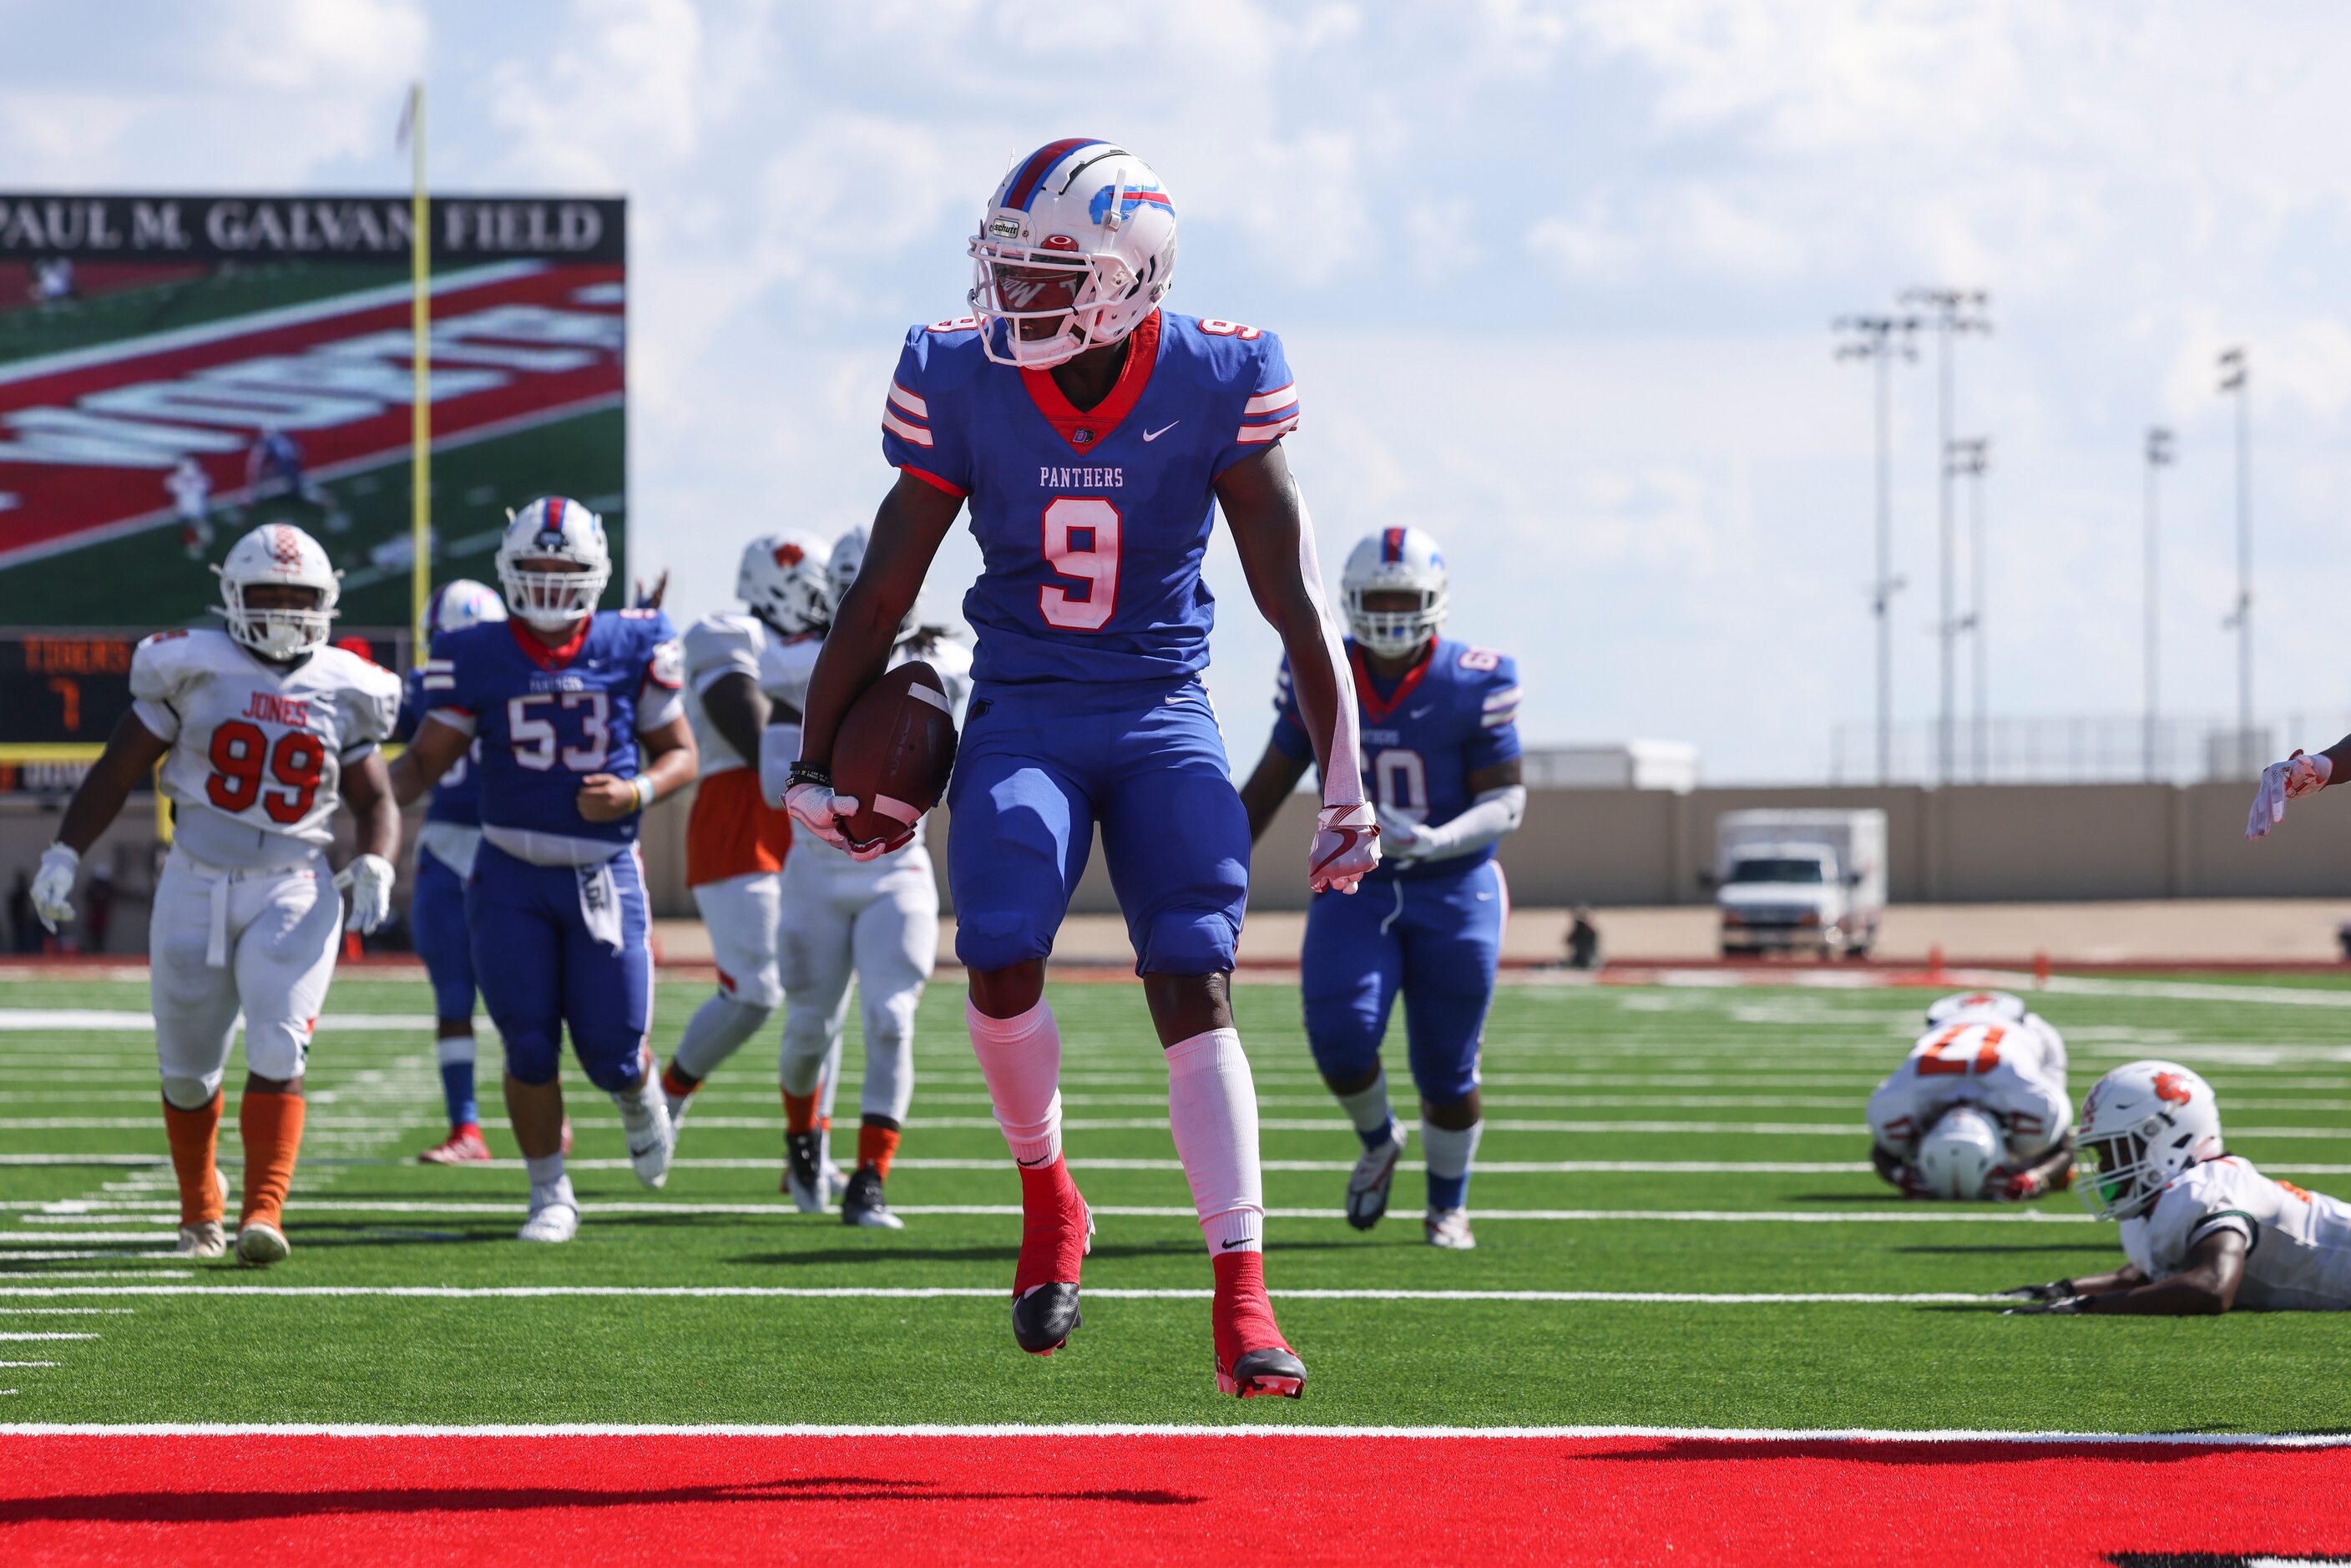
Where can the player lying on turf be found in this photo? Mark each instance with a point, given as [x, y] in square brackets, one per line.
[876, 918]
[1979, 1108]
[736, 843]
[2203, 1230]
[1441, 751]
[261, 729]
[445, 847]
[580, 728]
[1096, 437]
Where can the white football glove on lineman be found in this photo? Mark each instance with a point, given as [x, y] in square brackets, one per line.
[1346, 847]
[1402, 840]
[369, 881]
[2281, 782]
[53, 885]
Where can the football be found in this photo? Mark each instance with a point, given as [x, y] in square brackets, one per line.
[893, 752]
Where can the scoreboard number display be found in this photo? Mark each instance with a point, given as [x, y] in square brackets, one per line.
[63, 688]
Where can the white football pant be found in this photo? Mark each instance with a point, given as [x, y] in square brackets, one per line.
[740, 914]
[222, 940]
[878, 920]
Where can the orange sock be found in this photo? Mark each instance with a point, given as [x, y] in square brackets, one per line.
[800, 1113]
[194, 1134]
[875, 1146]
[272, 1124]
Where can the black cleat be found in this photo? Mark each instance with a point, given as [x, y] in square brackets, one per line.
[861, 1203]
[1273, 1370]
[1044, 1318]
[803, 1181]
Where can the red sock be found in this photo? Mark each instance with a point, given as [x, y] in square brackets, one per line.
[1243, 1316]
[876, 1147]
[678, 1084]
[800, 1113]
[1052, 1228]
[193, 1135]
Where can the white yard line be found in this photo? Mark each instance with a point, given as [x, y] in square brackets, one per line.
[17, 1337]
[64, 1019]
[1907, 1213]
[997, 1293]
[28, 1363]
[24, 1256]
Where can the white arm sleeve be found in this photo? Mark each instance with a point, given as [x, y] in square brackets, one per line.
[1342, 779]
[1495, 814]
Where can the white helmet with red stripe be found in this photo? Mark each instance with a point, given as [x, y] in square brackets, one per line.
[783, 579]
[554, 528]
[278, 555]
[1395, 561]
[1077, 247]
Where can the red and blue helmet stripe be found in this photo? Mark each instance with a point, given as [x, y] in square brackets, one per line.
[1030, 176]
[1391, 545]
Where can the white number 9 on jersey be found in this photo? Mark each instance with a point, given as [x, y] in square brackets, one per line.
[1081, 541]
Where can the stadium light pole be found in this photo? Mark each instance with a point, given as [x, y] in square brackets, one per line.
[1972, 460]
[2241, 620]
[1881, 340]
[2159, 457]
[1956, 310]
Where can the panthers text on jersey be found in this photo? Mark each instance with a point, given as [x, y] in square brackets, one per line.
[1090, 525]
[545, 718]
[2013, 1073]
[257, 748]
[2297, 1243]
[1453, 714]
[733, 831]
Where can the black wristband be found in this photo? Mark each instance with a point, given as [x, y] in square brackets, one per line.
[810, 773]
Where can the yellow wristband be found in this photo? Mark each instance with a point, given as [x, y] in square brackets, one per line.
[642, 785]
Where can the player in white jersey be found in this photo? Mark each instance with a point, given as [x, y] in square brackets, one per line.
[735, 844]
[1979, 1109]
[876, 921]
[2203, 1230]
[261, 730]
[192, 490]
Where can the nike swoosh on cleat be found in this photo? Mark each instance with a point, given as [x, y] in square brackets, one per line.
[1155, 434]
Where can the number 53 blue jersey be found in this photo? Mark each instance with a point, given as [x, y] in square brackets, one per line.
[545, 718]
[1090, 525]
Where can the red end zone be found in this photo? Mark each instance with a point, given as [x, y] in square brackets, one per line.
[1159, 1498]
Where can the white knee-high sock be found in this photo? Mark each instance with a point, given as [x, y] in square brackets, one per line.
[1450, 1152]
[716, 1032]
[1367, 1108]
[1212, 1110]
[1021, 1059]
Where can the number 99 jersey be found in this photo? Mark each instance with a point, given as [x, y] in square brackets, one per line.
[1092, 524]
[545, 718]
[257, 750]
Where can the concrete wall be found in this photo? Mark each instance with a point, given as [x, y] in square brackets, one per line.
[1972, 845]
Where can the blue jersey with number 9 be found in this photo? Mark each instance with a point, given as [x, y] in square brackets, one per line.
[1091, 524]
[545, 718]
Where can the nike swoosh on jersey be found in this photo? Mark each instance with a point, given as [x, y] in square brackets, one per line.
[1423, 711]
[1155, 434]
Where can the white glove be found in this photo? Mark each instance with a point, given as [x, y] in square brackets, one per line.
[369, 881]
[53, 885]
[2281, 782]
[1346, 847]
[812, 803]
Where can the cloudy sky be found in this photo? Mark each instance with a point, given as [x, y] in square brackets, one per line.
[1557, 280]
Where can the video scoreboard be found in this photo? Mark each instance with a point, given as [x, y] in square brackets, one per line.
[63, 689]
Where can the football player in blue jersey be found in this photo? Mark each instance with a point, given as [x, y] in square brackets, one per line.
[580, 726]
[1441, 749]
[437, 906]
[1094, 435]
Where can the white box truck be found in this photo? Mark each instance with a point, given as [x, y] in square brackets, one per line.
[1800, 881]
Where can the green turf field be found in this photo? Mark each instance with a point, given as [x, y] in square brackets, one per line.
[1738, 1077]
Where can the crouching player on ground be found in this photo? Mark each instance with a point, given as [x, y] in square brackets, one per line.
[582, 726]
[877, 920]
[1979, 1109]
[437, 906]
[735, 844]
[2203, 1230]
[261, 729]
[1441, 754]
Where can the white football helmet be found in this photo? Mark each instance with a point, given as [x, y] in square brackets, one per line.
[278, 554]
[1999, 1005]
[2143, 1124]
[783, 579]
[562, 529]
[1958, 1152]
[1395, 561]
[848, 555]
[459, 603]
[1076, 248]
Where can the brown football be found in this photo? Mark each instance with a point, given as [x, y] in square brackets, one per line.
[893, 752]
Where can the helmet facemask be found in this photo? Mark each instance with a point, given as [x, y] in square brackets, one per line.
[1394, 633]
[2117, 1176]
[553, 598]
[295, 620]
[1049, 299]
